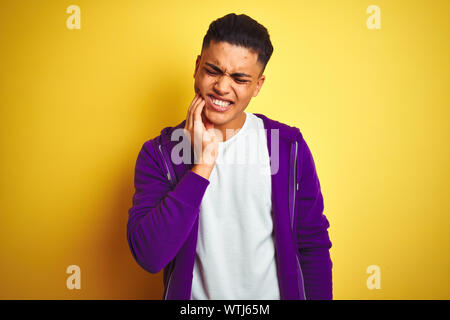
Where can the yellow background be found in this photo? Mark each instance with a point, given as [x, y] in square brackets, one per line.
[77, 105]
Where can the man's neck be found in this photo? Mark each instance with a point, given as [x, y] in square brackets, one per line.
[232, 127]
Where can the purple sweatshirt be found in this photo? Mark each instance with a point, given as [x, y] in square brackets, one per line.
[162, 225]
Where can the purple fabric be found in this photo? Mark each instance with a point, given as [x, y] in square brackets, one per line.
[163, 220]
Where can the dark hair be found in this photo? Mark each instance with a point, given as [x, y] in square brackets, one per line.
[241, 30]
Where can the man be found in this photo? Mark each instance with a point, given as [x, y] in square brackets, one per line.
[226, 230]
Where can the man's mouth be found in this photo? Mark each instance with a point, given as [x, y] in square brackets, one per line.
[219, 104]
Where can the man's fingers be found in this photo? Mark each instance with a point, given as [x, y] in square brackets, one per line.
[208, 124]
[197, 112]
[189, 120]
[194, 107]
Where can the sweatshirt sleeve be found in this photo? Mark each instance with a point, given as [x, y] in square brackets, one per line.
[312, 236]
[161, 216]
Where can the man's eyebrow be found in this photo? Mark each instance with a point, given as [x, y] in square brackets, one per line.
[236, 74]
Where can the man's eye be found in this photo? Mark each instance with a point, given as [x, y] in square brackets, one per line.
[216, 73]
[210, 72]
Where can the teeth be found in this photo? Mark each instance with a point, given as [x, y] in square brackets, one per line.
[221, 103]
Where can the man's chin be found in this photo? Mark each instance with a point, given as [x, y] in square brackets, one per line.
[215, 117]
[210, 111]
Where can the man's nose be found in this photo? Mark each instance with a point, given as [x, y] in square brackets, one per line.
[222, 84]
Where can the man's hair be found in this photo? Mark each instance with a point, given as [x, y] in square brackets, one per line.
[241, 30]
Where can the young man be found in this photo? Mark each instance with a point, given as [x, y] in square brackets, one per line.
[221, 229]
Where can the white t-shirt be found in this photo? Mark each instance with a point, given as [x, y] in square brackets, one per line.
[235, 254]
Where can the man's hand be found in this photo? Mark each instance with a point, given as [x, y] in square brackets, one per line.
[206, 140]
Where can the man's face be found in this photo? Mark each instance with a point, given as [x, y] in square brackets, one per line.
[230, 73]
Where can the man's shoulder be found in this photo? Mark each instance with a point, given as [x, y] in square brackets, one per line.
[285, 130]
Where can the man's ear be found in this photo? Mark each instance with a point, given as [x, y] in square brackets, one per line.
[259, 85]
[197, 63]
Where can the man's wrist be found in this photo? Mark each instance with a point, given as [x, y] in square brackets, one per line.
[203, 170]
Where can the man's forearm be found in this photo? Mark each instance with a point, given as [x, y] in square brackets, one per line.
[317, 273]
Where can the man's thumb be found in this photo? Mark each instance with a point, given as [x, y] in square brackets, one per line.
[208, 124]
